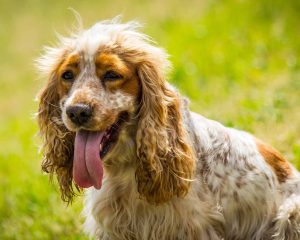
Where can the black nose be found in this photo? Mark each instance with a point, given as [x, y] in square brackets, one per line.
[79, 113]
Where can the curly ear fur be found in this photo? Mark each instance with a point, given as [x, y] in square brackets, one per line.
[165, 160]
[58, 142]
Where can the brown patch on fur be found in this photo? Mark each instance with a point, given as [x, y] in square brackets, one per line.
[71, 63]
[277, 162]
[111, 62]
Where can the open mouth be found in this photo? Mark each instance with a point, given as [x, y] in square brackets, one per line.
[111, 135]
[90, 148]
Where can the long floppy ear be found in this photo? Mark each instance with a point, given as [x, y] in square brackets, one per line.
[57, 141]
[165, 160]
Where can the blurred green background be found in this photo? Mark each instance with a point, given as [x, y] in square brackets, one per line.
[238, 61]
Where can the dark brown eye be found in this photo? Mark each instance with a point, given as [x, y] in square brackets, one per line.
[68, 76]
[111, 76]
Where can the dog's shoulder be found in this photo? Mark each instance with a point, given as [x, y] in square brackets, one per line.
[240, 147]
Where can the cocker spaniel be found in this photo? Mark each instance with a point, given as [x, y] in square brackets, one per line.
[111, 123]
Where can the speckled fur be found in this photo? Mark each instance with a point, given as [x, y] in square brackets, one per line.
[232, 179]
[220, 186]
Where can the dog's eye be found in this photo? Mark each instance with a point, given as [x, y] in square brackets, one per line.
[111, 75]
[68, 76]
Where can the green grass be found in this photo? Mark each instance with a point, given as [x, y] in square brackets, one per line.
[238, 61]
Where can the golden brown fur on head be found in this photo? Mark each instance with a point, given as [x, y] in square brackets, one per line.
[165, 162]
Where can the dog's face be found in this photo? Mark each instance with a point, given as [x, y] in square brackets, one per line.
[98, 94]
[96, 90]
[99, 80]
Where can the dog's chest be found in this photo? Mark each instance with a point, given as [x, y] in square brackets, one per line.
[117, 212]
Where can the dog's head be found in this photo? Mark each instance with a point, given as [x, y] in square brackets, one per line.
[99, 79]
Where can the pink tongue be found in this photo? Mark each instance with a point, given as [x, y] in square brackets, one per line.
[87, 165]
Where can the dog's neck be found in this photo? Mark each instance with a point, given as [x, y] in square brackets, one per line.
[123, 154]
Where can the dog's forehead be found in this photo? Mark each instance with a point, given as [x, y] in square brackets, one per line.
[90, 41]
[88, 47]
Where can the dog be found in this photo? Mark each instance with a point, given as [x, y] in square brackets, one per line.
[152, 169]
